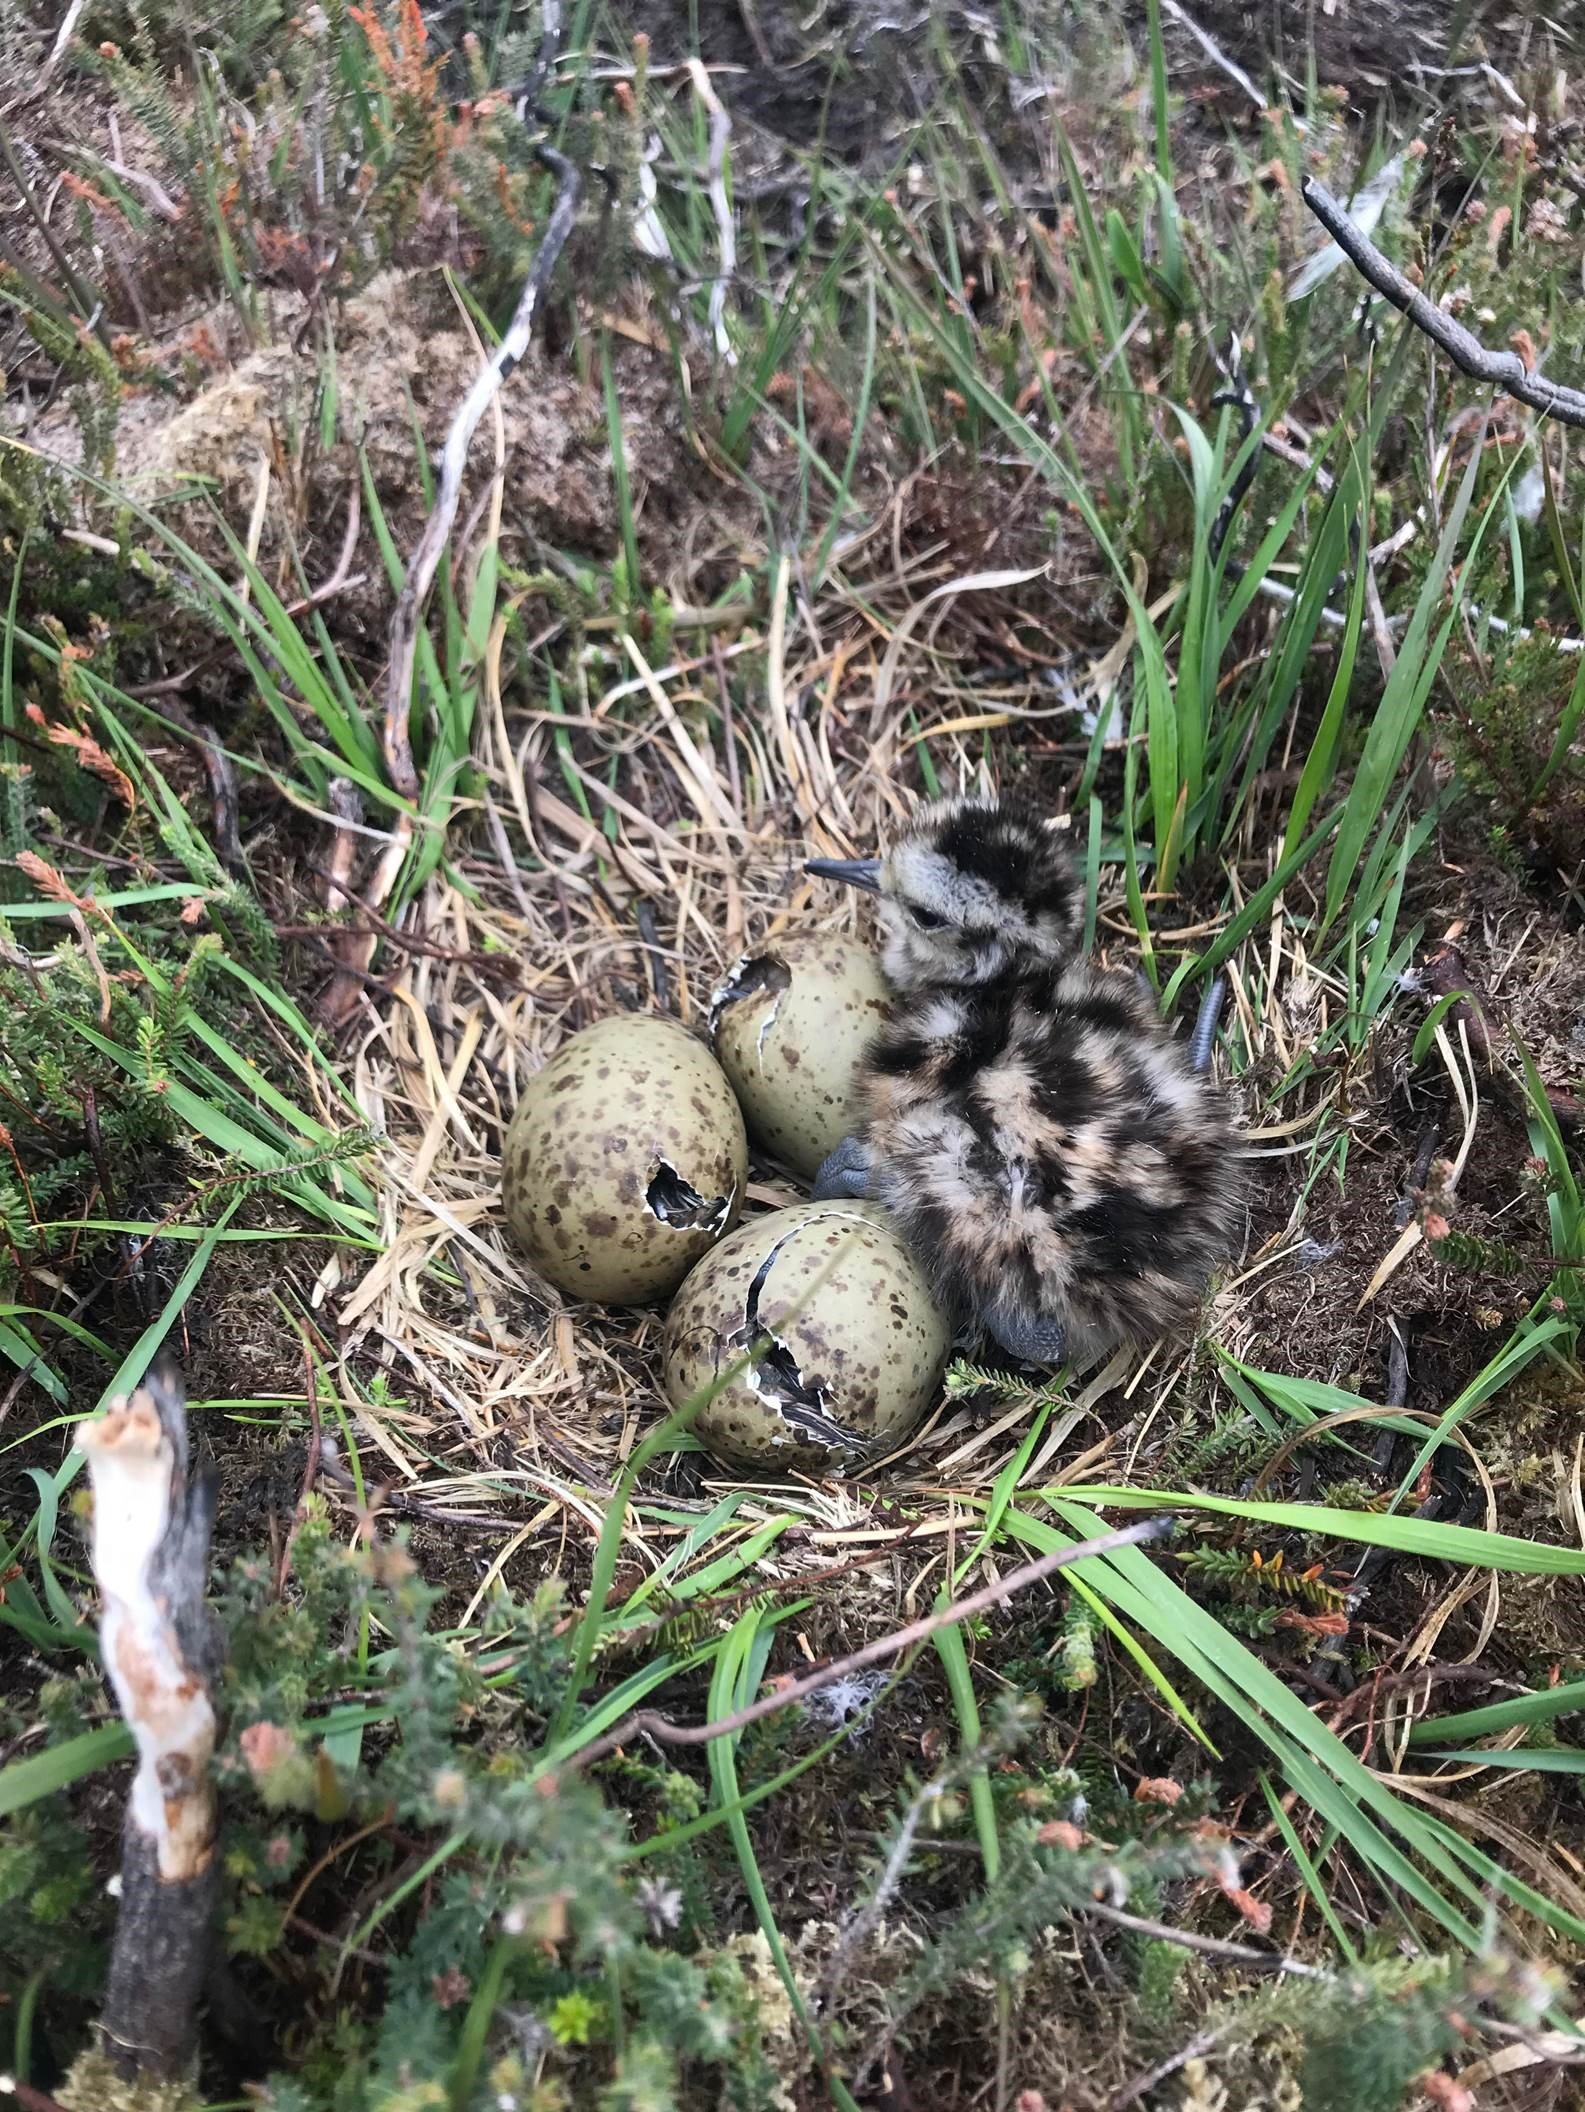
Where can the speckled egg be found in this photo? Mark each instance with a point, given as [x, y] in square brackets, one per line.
[850, 1345]
[790, 1025]
[625, 1161]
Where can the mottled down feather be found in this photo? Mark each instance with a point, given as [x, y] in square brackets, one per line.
[1045, 1145]
[1055, 1157]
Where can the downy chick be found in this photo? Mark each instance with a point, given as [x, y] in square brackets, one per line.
[1063, 1168]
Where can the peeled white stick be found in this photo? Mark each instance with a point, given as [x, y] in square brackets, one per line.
[162, 1653]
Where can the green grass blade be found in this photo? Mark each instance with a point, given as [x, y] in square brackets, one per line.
[1306, 1868]
[1467, 1545]
[960, 1684]
[46, 1774]
[1408, 688]
[1321, 760]
[1538, 1759]
[1542, 1706]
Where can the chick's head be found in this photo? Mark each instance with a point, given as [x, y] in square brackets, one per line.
[972, 889]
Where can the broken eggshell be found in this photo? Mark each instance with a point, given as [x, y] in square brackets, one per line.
[791, 1024]
[850, 1345]
[625, 1161]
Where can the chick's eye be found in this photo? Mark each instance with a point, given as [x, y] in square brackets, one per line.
[926, 919]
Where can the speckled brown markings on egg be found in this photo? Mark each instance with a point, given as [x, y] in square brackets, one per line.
[790, 1025]
[829, 1389]
[625, 1161]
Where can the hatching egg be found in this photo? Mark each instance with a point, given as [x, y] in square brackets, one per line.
[847, 1345]
[790, 1025]
[625, 1161]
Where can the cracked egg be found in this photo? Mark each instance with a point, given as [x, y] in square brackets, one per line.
[790, 1024]
[625, 1161]
[850, 1345]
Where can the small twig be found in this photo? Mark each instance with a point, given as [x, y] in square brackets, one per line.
[1239, 397]
[526, 93]
[1419, 1174]
[799, 1581]
[340, 579]
[32, 2100]
[161, 202]
[1422, 1676]
[726, 231]
[311, 1465]
[34, 964]
[326, 934]
[63, 38]
[339, 999]
[409, 941]
[85, 939]
[651, 1723]
[1132, 2091]
[40, 1237]
[90, 308]
[385, 1498]
[659, 974]
[1502, 370]
[528, 777]
[1212, 1946]
[1397, 1394]
[335, 1943]
[1214, 52]
[860, 1923]
[96, 1148]
[453, 463]
[728, 730]
[1380, 629]
[222, 781]
[1444, 971]
[506, 864]
[345, 801]
[1566, 2048]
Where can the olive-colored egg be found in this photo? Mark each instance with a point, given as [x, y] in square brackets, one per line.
[625, 1161]
[851, 1346]
[791, 1024]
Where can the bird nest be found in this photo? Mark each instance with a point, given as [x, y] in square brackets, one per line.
[502, 1401]
[501, 1408]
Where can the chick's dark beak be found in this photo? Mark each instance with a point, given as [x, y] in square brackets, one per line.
[856, 872]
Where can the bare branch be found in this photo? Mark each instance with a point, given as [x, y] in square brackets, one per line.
[342, 994]
[861, 1924]
[1211, 1946]
[1503, 370]
[526, 93]
[1214, 52]
[345, 801]
[222, 781]
[453, 462]
[63, 38]
[162, 1653]
[652, 1723]
[1133, 2090]
[726, 232]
